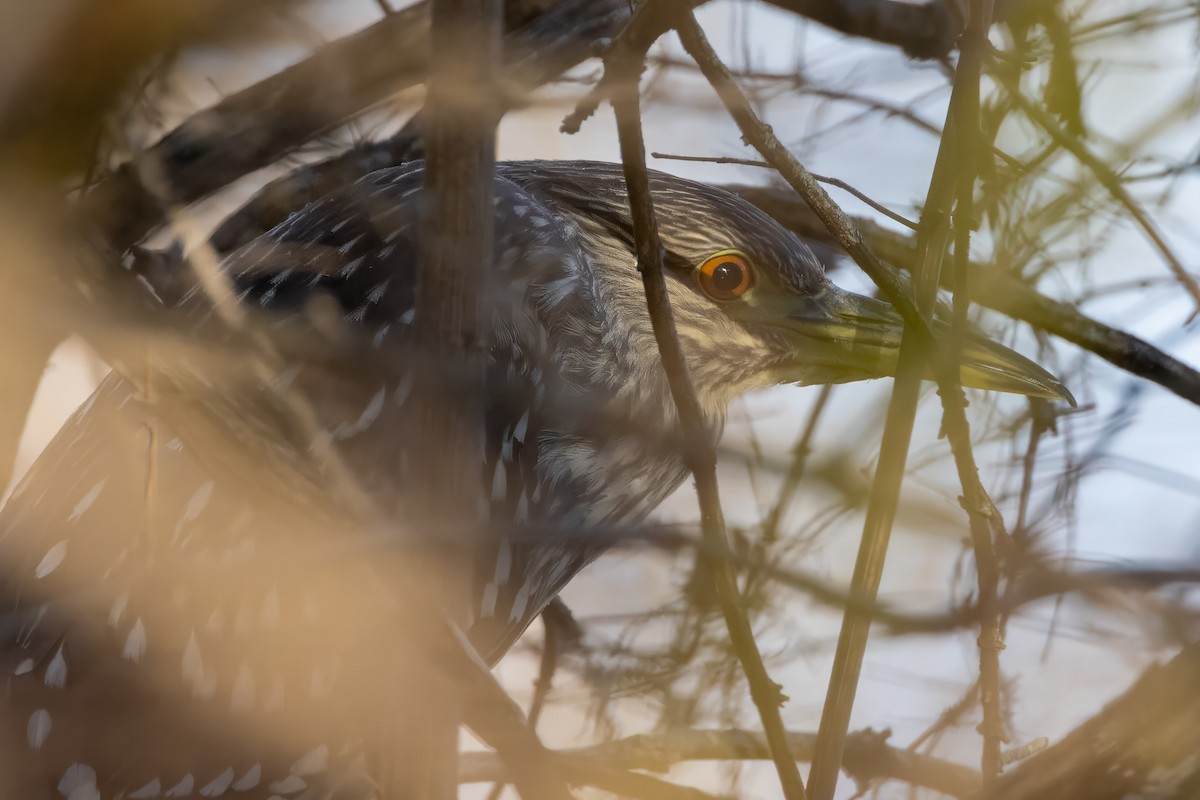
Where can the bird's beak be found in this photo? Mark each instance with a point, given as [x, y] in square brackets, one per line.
[840, 337]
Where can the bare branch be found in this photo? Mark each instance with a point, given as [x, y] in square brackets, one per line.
[922, 30]
[838, 182]
[228, 140]
[917, 342]
[982, 514]
[1143, 744]
[868, 757]
[623, 66]
[555, 40]
[1112, 183]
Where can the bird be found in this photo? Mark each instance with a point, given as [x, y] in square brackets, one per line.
[163, 591]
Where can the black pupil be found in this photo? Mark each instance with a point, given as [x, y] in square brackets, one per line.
[727, 277]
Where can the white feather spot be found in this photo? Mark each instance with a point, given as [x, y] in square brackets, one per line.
[522, 427]
[86, 501]
[85, 792]
[151, 789]
[183, 788]
[135, 642]
[54, 556]
[364, 421]
[315, 760]
[118, 609]
[519, 604]
[38, 728]
[77, 776]
[487, 606]
[219, 784]
[56, 671]
[204, 685]
[250, 779]
[503, 561]
[24, 667]
[499, 482]
[243, 690]
[195, 506]
[376, 294]
[289, 785]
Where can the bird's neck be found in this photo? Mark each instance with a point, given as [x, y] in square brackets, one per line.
[615, 355]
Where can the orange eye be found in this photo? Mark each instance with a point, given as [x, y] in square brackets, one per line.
[725, 276]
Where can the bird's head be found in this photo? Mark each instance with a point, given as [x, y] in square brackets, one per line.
[751, 301]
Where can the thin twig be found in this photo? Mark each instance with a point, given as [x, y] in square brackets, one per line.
[917, 342]
[981, 512]
[791, 481]
[841, 184]
[541, 689]
[1112, 183]
[762, 138]
[799, 83]
[625, 64]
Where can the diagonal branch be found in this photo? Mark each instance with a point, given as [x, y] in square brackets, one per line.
[557, 39]
[222, 143]
[868, 757]
[981, 512]
[916, 344]
[624, 63]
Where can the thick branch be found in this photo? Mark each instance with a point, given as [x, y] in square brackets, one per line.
[258, 125]
[868, 757]
[556, 40]
[1143, 744]
[67, 63]
[922, 30]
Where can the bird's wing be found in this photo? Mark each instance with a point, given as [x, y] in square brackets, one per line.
[176, 625]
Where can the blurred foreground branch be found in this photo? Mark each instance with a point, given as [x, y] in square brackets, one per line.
[1143, 744]
[259, 125]
[868, 757]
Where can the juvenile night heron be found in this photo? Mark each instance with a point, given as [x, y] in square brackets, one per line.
[157, 598]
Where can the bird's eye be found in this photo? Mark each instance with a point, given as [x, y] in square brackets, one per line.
[725, 276]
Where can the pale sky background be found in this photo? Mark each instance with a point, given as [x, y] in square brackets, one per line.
[1123, 511]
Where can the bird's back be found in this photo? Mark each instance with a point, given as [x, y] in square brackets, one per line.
[188, 612]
